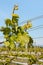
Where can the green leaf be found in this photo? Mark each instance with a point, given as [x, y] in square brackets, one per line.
[7, 43]
[6, 30]
[8, 22]
[27, 26]
[15, 15]
[13, 38]
[22, 38]
[6, 36]
[12, 45]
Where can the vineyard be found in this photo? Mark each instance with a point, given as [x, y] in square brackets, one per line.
[18, 46]
[12, 57]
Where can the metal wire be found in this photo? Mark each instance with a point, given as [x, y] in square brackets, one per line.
[38, 17]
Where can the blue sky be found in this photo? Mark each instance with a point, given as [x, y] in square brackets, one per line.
[27, 9]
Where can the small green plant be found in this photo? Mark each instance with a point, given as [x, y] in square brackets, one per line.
[15, 34]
